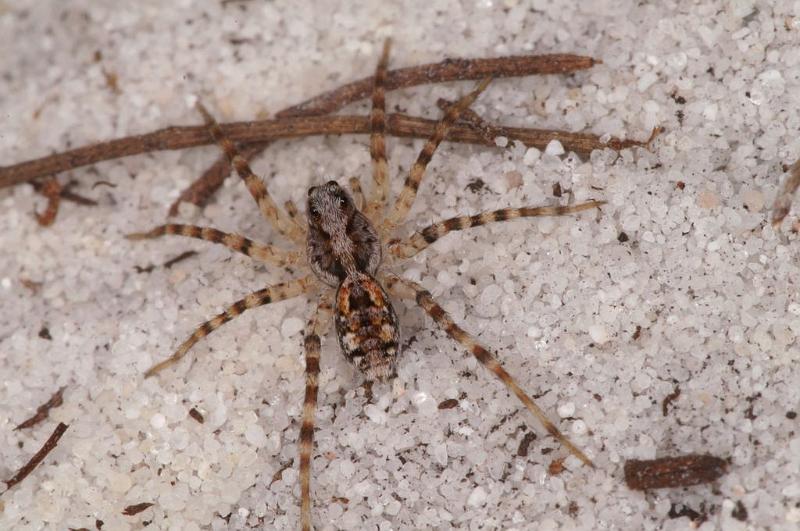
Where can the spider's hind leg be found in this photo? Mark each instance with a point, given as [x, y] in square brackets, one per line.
[411, 290]
[317, 326]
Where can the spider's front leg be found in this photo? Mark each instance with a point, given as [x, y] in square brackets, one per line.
[408, 289]
[317, 327]
[377, 142]
[358, 193]
[399, 211]
[274, 215]
[420, 240]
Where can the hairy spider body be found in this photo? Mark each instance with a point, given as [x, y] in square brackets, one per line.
[341, 240]
[344, 251]
[343, 248]
[367, 327]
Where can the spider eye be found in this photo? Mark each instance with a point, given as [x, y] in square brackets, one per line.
[341, 200]
[314, 212]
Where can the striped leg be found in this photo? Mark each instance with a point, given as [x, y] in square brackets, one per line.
[358, 193]
[377, 140]
[317, 326]
[411, 290]
[265, 253]
[294, 215]
[420, 240]
[277, 293]
[404, 202]
[276, 217]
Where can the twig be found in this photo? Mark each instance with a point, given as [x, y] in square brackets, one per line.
[66, 192]
[670, 398]
[783, 203]
[678, 471]
[448, 70]
[38, 457]
[131, 510]
[183, 256]
[69, 195]
[44, 410]
[173, 138]
[50, 189]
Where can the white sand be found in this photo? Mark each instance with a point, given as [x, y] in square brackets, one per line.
[713, 287]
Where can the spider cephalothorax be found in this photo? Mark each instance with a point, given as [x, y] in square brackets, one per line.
[344, 251]
[341, 240]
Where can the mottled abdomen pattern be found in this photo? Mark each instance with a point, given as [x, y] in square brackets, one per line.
[367, 327]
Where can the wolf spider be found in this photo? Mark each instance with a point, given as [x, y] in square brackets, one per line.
[344, 241]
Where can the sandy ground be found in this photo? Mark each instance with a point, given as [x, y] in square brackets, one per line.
[679, 283]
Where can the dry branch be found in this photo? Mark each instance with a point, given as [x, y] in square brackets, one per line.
[172, 138]
[38, 457]
[44, 410]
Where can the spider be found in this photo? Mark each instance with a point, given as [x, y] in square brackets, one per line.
[344, 241]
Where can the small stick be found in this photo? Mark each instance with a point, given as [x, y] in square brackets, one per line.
[38, 457]
[50, 189]
[66, 193]
[69, 195]
[678, 471]
[441, 72]
[44, 410]
[669, 399]
[173, 138]
[136, 508]
[183, 256]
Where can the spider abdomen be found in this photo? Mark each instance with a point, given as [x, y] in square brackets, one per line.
[367, 326]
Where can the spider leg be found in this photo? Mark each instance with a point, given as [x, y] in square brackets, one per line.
[276, 293]
[358, 193]
[294, 215]
[404, 202]
[420, 240]
[276, 217]
[264, 253]
[377, 140]
[317, 326]
[411, 290]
